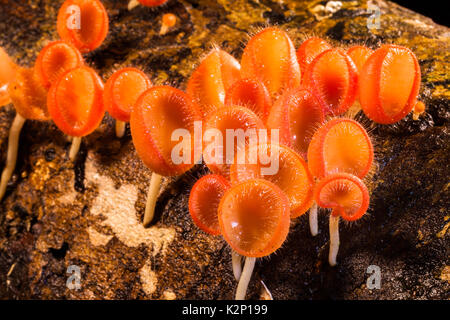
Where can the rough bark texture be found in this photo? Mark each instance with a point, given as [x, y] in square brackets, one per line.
[56, 214]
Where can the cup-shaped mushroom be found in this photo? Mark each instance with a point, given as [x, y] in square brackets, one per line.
[225, 131]
[254, 217]
[309, 50]
[332, 77]
[122, 90]
[340, 145]
[297, 114]
[281, 166]
[28, 96]
[211, 79]
[389, 84]
[168, 21]
[345, 193]
[83, 23]
[270, 57]
[250, 93]
[359, 56]
[160, 118]
[55, 59]
[348, 198]
[8, 71]
[75, 101]
[204, 202]
[160, 113]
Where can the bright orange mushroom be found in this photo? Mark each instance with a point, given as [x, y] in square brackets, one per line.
[359, 56]
[289, 172]
[168, 21]
[83, 23]
[146, 3]
[7, 74]
[254, 220]
[340, 145]
[309, 50]
[348, 197]
[55, 59]
[121, 92]
[204, 202]
[419, 108]
[29, 99]
[211, 79]
[75, 103]
[332, 77]
[250, 93]
[159, 114]
[270, 57]
[218, 155]
[389, 84]
[297, 114]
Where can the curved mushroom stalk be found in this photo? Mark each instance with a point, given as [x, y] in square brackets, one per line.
[245, 278]
[11, 158]
[133, 4]
[313, 224]
[155, 185]
[334, 239]
[120, 128]
[74, 148]
[236, 260]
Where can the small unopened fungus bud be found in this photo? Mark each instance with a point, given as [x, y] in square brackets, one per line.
[168, 21]
[419, 108]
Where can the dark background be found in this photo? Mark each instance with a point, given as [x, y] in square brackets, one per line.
[436, 10]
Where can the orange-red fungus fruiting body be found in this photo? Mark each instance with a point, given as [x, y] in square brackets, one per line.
[122, 90]
[169, 19]
[211, 79]
[7, 74]
[28, 95]
[84, 23]
[250, 93]
[389, 84]
[332, 77]
[158, 112]
[340, 145]
[55, 59]
[297, 114]
[270, 57]
[204, 202]
[223, 119]
[345, 193]
[309, 50]
[75, 101]
[254, 217]
[292, 175]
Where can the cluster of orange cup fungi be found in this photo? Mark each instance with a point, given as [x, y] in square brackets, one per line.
[324, 155]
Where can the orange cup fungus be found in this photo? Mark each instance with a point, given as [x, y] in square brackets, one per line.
[347, 196]
[211, 79]
[389, 84]
[291, 174]
[204, 202]
[158, 112]
[254, 220]
[250, 93]
[83, 23]
[168, 21]
[7, 74]
[122, 90]
[270, 57]
[332, 77]
[55, 59]
[340, 145]
[309, 50]
[217, 155]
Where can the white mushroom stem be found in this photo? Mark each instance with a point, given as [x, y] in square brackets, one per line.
[120, 128]
[133, 4]
[153, 191]
[11, 157]
[236, 260]
[74, 148]
[334, 239]
[313, 224]
[245, 278]
[163, 30]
